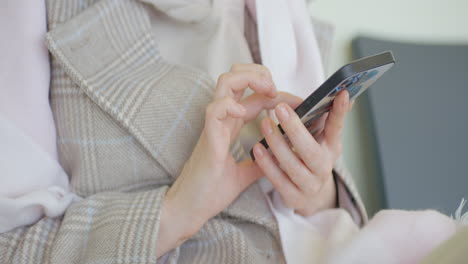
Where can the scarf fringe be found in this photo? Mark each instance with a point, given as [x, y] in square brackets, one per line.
[461, 219]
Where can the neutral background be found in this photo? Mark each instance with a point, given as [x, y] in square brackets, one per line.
[416, 21]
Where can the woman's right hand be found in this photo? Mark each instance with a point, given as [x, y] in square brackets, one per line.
[212, 179]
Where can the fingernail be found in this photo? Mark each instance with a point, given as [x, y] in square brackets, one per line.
[266, 126]
[283, 113]
[258, 151]
[345, 102]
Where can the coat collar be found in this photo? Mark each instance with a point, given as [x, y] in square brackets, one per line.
[109, 52]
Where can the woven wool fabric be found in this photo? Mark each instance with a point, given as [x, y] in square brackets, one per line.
[126, 123]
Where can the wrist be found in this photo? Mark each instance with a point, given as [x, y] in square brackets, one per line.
[175, 226]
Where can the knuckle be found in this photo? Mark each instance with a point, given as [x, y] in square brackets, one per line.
[296, 171]
[311, 156]
[267, 81]
[321, 170]
[314, 188]
[324, 171]
[228, 101]
[236, 67]
[337, 125]
[223, 78]
[265, 70]
[263, 75]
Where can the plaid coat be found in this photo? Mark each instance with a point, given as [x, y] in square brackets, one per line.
[127, 121]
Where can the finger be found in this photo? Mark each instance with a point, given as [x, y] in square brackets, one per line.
[238, 67]
[224, 108]
[235, 83]
[289, 162]
[288, 190]
[305, 145]
[335, 122]
[316, 128]
[255, 103]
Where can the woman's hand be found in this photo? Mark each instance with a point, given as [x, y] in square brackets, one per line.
[211, 179]
[302, 170]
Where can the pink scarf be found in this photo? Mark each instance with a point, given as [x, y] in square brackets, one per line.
[287, 44]
[32, 182]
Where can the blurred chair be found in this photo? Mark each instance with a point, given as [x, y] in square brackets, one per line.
[419, 115]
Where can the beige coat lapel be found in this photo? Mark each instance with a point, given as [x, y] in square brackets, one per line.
[109, 52]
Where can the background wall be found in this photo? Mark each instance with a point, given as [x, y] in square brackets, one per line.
[420, 21]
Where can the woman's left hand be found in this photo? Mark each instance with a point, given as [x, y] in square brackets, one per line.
[302, 171]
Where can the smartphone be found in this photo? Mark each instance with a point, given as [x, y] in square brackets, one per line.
[355, 77]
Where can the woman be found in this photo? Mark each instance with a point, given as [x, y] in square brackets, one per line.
[152, 148]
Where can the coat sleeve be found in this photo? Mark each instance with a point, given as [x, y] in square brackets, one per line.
[348, 195]
[103, 228]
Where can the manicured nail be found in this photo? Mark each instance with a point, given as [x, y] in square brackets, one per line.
[283, 113]
[258, 151]
[267, 129]
[345, 102]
